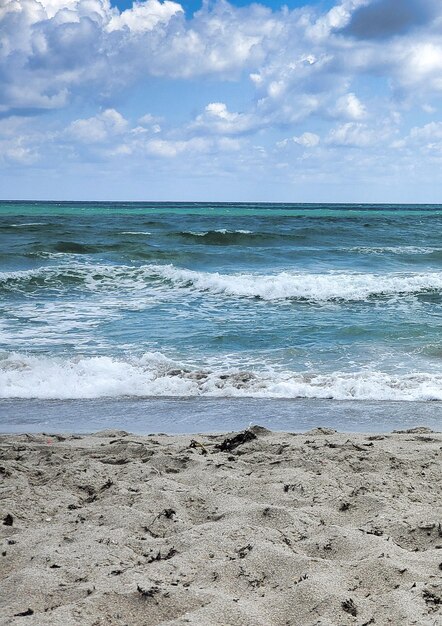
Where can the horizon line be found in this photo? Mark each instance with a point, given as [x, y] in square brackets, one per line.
[220, 202]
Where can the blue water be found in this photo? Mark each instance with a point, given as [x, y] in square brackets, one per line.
[214, 303]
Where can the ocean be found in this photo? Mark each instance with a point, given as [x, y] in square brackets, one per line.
[186, 317]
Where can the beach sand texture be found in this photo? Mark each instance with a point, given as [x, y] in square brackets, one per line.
[281, 529]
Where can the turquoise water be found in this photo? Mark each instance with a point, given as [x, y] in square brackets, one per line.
[191, 300]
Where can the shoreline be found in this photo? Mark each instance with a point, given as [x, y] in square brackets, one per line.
[271, 528]
[211, 415]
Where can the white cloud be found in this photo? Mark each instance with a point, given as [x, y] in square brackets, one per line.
[307, 140]
[147, 119]
[300, 62]
[13, 125]
[430, 131]
[353, 135]
[217, 119]
[331, 67]
[349, 107]
[52, 7]
[98, 129]
[425, 139]
[17, 142]
[52, 47]
[16, 151]
[167, 148]
[109, 134]
[144, 16]
[335, 19]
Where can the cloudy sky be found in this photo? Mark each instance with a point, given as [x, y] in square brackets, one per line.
[334, 100]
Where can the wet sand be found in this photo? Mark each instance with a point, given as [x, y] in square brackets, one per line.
[284, 529]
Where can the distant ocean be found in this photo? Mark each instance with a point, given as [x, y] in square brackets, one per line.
[174, 315]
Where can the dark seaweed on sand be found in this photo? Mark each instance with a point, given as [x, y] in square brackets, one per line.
[349, 607]
[147, 593]
[24, 613]
[230, 443]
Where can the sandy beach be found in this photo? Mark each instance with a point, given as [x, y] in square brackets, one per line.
[264, 529]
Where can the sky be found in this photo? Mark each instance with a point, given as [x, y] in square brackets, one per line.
[326, 101]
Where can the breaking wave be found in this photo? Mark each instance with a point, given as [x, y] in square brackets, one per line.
[153, 374]
[225, 237]
[314, 287]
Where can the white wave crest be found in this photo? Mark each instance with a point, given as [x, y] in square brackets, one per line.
[306, 286]
[380, 250]
[316, 287]
[136, 232]
[24, 376]
[240, 231]
[24, 224]
[220, 231]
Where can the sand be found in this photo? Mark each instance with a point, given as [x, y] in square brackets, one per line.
[285, 529]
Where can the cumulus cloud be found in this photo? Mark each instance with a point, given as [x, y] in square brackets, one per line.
[51, 48]
[99, 128]
[306, 140]
[429, 132]
[108, 135]
[420, 64]
[17, 142]
[16, 151]
[354, 135]
[340, 73]
[300, 62]
[217, 119]
[144, 16]
[425, 139]
[166, 148]
[337, 18]
[350, 107]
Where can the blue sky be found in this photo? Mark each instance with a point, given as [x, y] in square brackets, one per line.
[332, 101]
[191, 6]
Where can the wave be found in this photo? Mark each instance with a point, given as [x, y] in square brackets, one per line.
[399, 250]
[304, 286]
[136, 232]
[312, 287]
[26, 224]
[218, 231]
[73, 247]
[223, 236]
[154, 374]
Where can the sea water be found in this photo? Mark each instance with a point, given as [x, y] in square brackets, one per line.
[204, 316]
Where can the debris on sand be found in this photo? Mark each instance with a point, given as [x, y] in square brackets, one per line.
[230, 443]
[349, 607]
[197, 444]
[8, 520]
[147, 593]
[24, 613]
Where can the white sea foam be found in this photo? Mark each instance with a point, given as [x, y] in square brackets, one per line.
[220, 231]
[307, 286]
[28, 224]
[394, 249]
[316, 287]
[225, 231]
[23, 376]
[136, 232]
